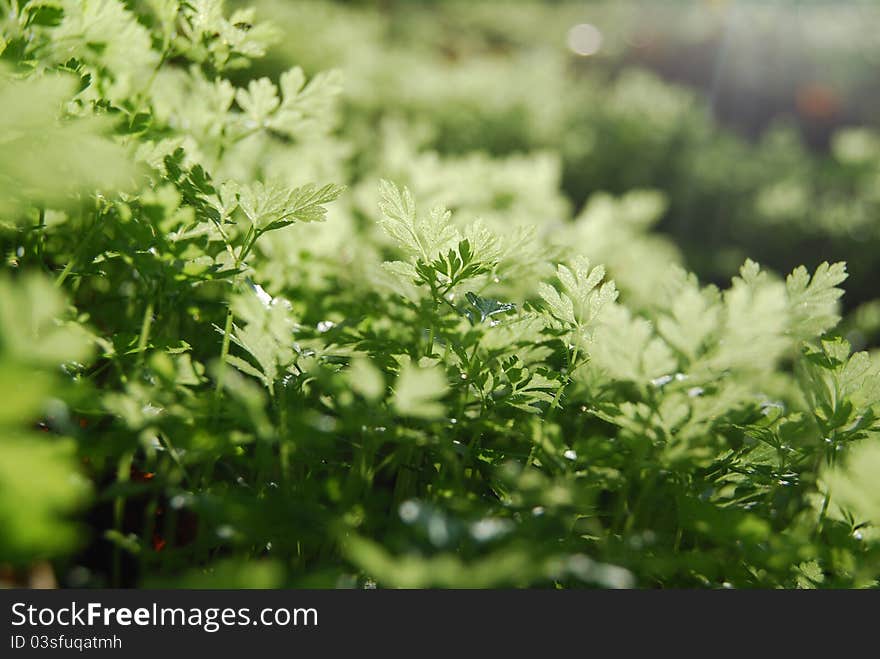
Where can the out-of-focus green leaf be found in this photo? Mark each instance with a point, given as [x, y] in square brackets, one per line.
[418, 390]
[39, 488]
[46, 159]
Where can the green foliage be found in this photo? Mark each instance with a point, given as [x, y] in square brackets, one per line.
[465, 80]
[417, 392]
[49, 154]
[854, 487]
[39, 478]
[266, 382]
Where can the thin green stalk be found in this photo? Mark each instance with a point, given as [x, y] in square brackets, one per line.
[249, 240]
[41, 239]
[430, 347]
[79, 251]
[224, 353]
[531, 456]
[823, 513]
[645, 495]
[146, 325]
[123, 473]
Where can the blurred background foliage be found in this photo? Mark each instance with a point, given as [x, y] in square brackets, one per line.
[757, 122]
[186, 406]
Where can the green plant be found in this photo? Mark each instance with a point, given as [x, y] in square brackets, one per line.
[466, 83]
[266, 381]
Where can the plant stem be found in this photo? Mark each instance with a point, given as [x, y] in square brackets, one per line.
[224, 352]
[430, 347]
[249, 240]
[824, 512]
[41, 238]
[123, 473]
[78, 253]
[146, 324]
